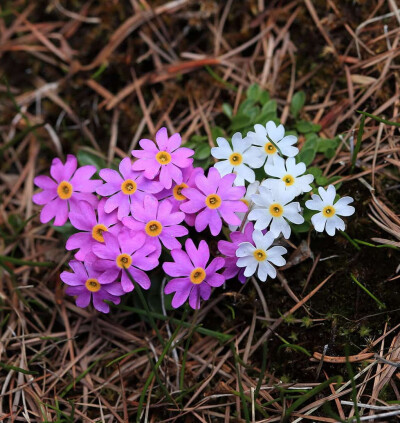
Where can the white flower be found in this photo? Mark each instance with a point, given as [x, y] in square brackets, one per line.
[273, 205]
[329, 212]
[260, 256]
[262, 137]
[289, 172]
[237, 159]
[250, 191]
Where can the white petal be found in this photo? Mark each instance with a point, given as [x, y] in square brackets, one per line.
[251, 268]
[224, 167]
[318, 220]
[303, 183]
[287, 141]
[245, 261]
[246, 173]
[245, 249]
[262, 223]
[270, 269]
[315, 203]
[240, 144]
[223, 151]
[276, 133]
[277, 225]
[276, 252]
[254, 157]
[262, 271]
[257, 214]
[288, 150]
[252, 189]
[327, 196]
[268, 239]
[345, 210]
[295, 217]
[331, 225]
[293, 168]
[258, 239]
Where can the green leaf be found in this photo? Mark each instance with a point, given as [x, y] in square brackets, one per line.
[216, 132]
[270, 107]
[315, 171]
[321, 180]
[245, 106]
[297, 104]
[253, 92]
[304, 127]
[306, 156]
[202, 152]
[88, 156]
[194, 139]
[239, 122]
[227, 109]
[264, 97]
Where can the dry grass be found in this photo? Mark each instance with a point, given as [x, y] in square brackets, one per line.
[98, 76]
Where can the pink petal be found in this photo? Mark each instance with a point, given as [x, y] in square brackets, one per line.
[162, 138]
[45, 182]
[174, 142]
[45, 196]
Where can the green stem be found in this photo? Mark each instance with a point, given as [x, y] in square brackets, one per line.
[387, 122]
[380, 303]
[26, 262]
[241, 392]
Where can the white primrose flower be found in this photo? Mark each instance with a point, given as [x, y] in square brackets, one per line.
[238, 159]
[274, 206]
[289, 172]
[329, 212]
[250, 191]
[263, 136]
[261, 256]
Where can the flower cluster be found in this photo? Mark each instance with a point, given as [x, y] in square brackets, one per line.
[125, 220]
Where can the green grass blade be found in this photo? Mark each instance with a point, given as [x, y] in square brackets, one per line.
[380, 303]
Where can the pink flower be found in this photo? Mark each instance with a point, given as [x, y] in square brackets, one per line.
[165, 158]
[124, 189]
[84, 218]
[68, 187]
[214, 198]
[84, 284]
[156, 221]
[228, 249]
[192, 277]
[121, 253]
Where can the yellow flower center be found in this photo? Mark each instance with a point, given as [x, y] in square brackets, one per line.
[128, 187]
[260, 255]
[92, 285]
[288, 180]
[197, 275]
[213, 201]
[163, 157]
[269, 148]
[153, 228]
[328, 211]
[276, 210]
[177, 192]
[247, 202]
[124, 261]
[64, 190]
[97, 232]
[235, 159]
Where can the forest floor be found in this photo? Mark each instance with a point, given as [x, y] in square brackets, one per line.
[319, 343]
